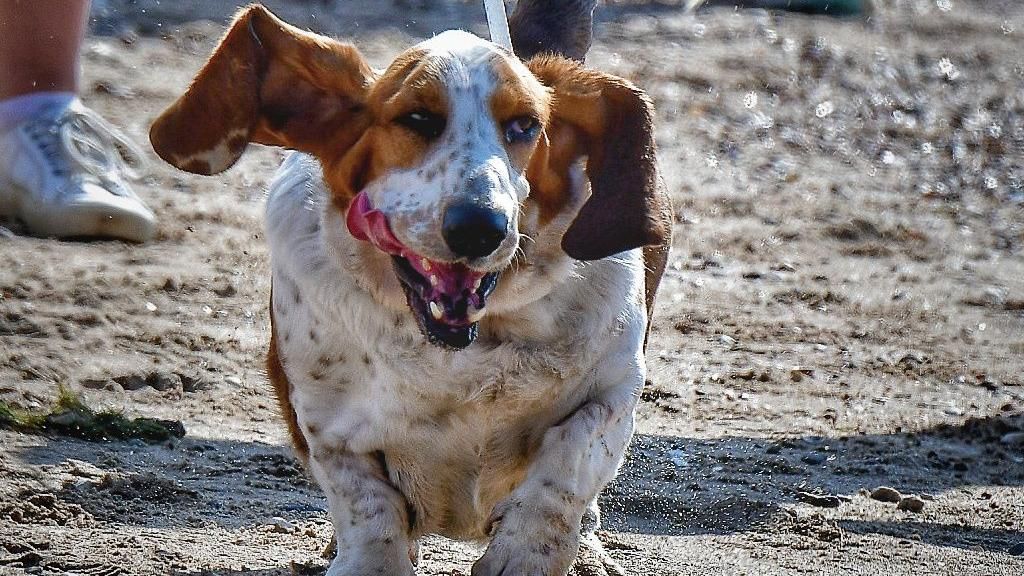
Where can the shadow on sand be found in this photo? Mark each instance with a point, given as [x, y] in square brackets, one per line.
[684, 486]
[668, 485]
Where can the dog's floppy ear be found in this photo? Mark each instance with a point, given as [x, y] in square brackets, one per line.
[608, 120]
[270, 83]
[562, 27]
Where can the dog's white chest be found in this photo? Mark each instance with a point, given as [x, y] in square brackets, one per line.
[456, 429]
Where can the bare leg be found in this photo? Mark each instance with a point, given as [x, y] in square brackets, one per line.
[42, 184]
[39, 43]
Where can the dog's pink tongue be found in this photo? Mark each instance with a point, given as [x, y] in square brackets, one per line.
[370, 225]
[449, 284]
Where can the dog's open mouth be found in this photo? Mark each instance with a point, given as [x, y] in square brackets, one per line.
[447, 299]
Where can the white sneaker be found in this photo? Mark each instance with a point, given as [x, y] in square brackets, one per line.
[63, 174]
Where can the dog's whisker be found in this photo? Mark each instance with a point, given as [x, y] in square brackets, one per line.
[518, 258]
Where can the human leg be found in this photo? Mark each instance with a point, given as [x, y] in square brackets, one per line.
[62, 169]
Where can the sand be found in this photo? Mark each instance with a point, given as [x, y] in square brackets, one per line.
[843, 309]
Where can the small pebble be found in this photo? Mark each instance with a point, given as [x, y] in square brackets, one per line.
[131, 381]
[822, 500]
[164, 381]
[814, 458]
[744, 374]
[84, 469]
[886, 494]
[797, 373]
[281, 525]
[911, 504]
[1013, 439]
[678, 457]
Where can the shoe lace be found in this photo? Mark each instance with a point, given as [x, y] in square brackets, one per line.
[80, 138]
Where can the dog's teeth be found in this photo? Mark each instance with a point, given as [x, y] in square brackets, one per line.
[435, 310]
[475, 315]
[476, 285]
[425, 264]
[433, 280]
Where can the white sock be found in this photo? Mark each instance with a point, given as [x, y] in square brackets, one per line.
[14, 111]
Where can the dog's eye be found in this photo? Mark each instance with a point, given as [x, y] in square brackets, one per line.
[521, 130]
[426, 124]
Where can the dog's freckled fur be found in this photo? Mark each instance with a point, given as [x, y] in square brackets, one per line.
[404, 437]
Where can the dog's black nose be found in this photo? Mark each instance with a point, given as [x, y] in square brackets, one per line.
[472, 230]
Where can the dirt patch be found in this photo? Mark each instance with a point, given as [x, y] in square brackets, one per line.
[841, 309]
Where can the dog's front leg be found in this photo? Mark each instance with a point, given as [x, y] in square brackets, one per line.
[371, 524]
[537, 528]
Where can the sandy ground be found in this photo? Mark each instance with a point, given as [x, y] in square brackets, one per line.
[844, 308]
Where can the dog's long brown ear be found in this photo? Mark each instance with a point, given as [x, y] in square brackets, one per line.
[270, 83]
[562, 27]
[608, 120]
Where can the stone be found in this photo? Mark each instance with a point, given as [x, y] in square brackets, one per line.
[281, 525]
[886, 494]
[1013, 439]
[822, 500]
[911, 504]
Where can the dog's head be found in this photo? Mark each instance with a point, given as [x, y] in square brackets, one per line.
[449, 162]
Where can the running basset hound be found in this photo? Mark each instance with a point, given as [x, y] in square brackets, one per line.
[465, 250]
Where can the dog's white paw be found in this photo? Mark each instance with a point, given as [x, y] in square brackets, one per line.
[541, 557]
[530, 543]
[370, 569]
[371, 565]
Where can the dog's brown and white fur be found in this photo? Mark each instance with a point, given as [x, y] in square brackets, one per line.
[511, 438]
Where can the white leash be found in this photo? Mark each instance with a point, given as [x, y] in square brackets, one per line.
[497, 23]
